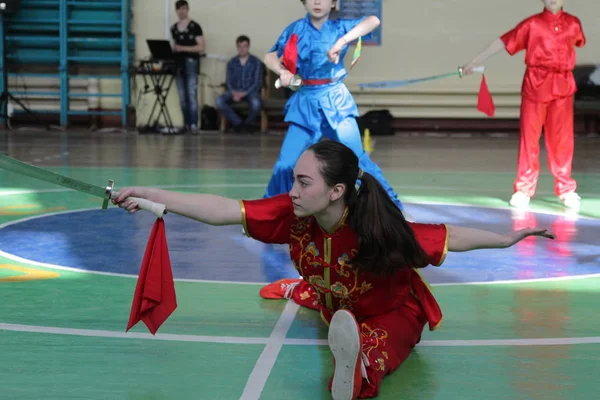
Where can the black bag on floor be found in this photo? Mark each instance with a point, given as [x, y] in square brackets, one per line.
[209, 119]
[379, 122]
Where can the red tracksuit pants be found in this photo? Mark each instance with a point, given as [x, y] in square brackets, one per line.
[387, 339]
[556, 118]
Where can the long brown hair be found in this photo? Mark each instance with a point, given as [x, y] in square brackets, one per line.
[387, 242]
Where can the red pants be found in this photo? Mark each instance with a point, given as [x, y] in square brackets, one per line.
[556, 117]
[387, 339]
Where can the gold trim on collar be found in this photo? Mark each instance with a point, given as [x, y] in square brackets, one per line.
[327, 272]
[340, 223]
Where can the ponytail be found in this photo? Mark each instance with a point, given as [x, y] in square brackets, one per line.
[387, 242]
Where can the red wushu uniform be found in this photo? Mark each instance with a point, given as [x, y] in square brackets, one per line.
[547, 95]
[391, 310]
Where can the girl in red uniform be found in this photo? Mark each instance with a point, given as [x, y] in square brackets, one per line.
[549, 40]
[353, 247]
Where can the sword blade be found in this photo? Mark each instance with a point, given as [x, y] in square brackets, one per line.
[22, 168]
[405, 82]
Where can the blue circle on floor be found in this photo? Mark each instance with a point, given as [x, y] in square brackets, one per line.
[114, 241]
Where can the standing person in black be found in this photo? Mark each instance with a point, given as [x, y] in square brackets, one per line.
[189, 43]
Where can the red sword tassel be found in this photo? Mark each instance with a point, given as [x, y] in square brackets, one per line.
[290, 53]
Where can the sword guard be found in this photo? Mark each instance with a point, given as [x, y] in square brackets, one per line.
[109, 189]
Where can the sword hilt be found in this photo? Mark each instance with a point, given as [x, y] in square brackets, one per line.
[143, 204]
[294, 84]
[480, 69]
[109, 189]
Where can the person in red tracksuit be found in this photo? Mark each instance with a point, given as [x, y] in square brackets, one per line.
[357, 254]
[549, 39]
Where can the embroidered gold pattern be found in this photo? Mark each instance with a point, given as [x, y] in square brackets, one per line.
[374, 339]
[338, 287]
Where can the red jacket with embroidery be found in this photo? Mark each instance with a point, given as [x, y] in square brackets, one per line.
[324, 259]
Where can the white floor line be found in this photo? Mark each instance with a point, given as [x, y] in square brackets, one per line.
[277, 340]
[131, 335]
[129, 276]
[511, 342]
[265, 363]
[520, 281]
[132, 276]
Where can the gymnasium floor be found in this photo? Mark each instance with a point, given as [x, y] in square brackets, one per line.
[519, 323]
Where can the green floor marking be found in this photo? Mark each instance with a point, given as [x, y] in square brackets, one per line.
[86, 301]
[100, 368]
[503, 311]
[451, 373]
[61, 367]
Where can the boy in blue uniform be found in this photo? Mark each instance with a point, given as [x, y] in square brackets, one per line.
[322, 107]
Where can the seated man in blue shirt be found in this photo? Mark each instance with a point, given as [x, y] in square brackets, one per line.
[244, 81]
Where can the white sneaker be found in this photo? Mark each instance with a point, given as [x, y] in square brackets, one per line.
[571, 200]
[519, 200]
[346, 345]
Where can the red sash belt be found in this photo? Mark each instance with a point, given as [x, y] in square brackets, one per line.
[316, 82]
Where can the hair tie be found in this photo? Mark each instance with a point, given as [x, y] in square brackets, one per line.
[360, 173]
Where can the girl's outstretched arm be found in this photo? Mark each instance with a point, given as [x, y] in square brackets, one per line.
[207, 208]
[467, 239]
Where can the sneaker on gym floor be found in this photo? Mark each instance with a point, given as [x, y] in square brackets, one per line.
[346, 345]
[519, 200]
[571, 200]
